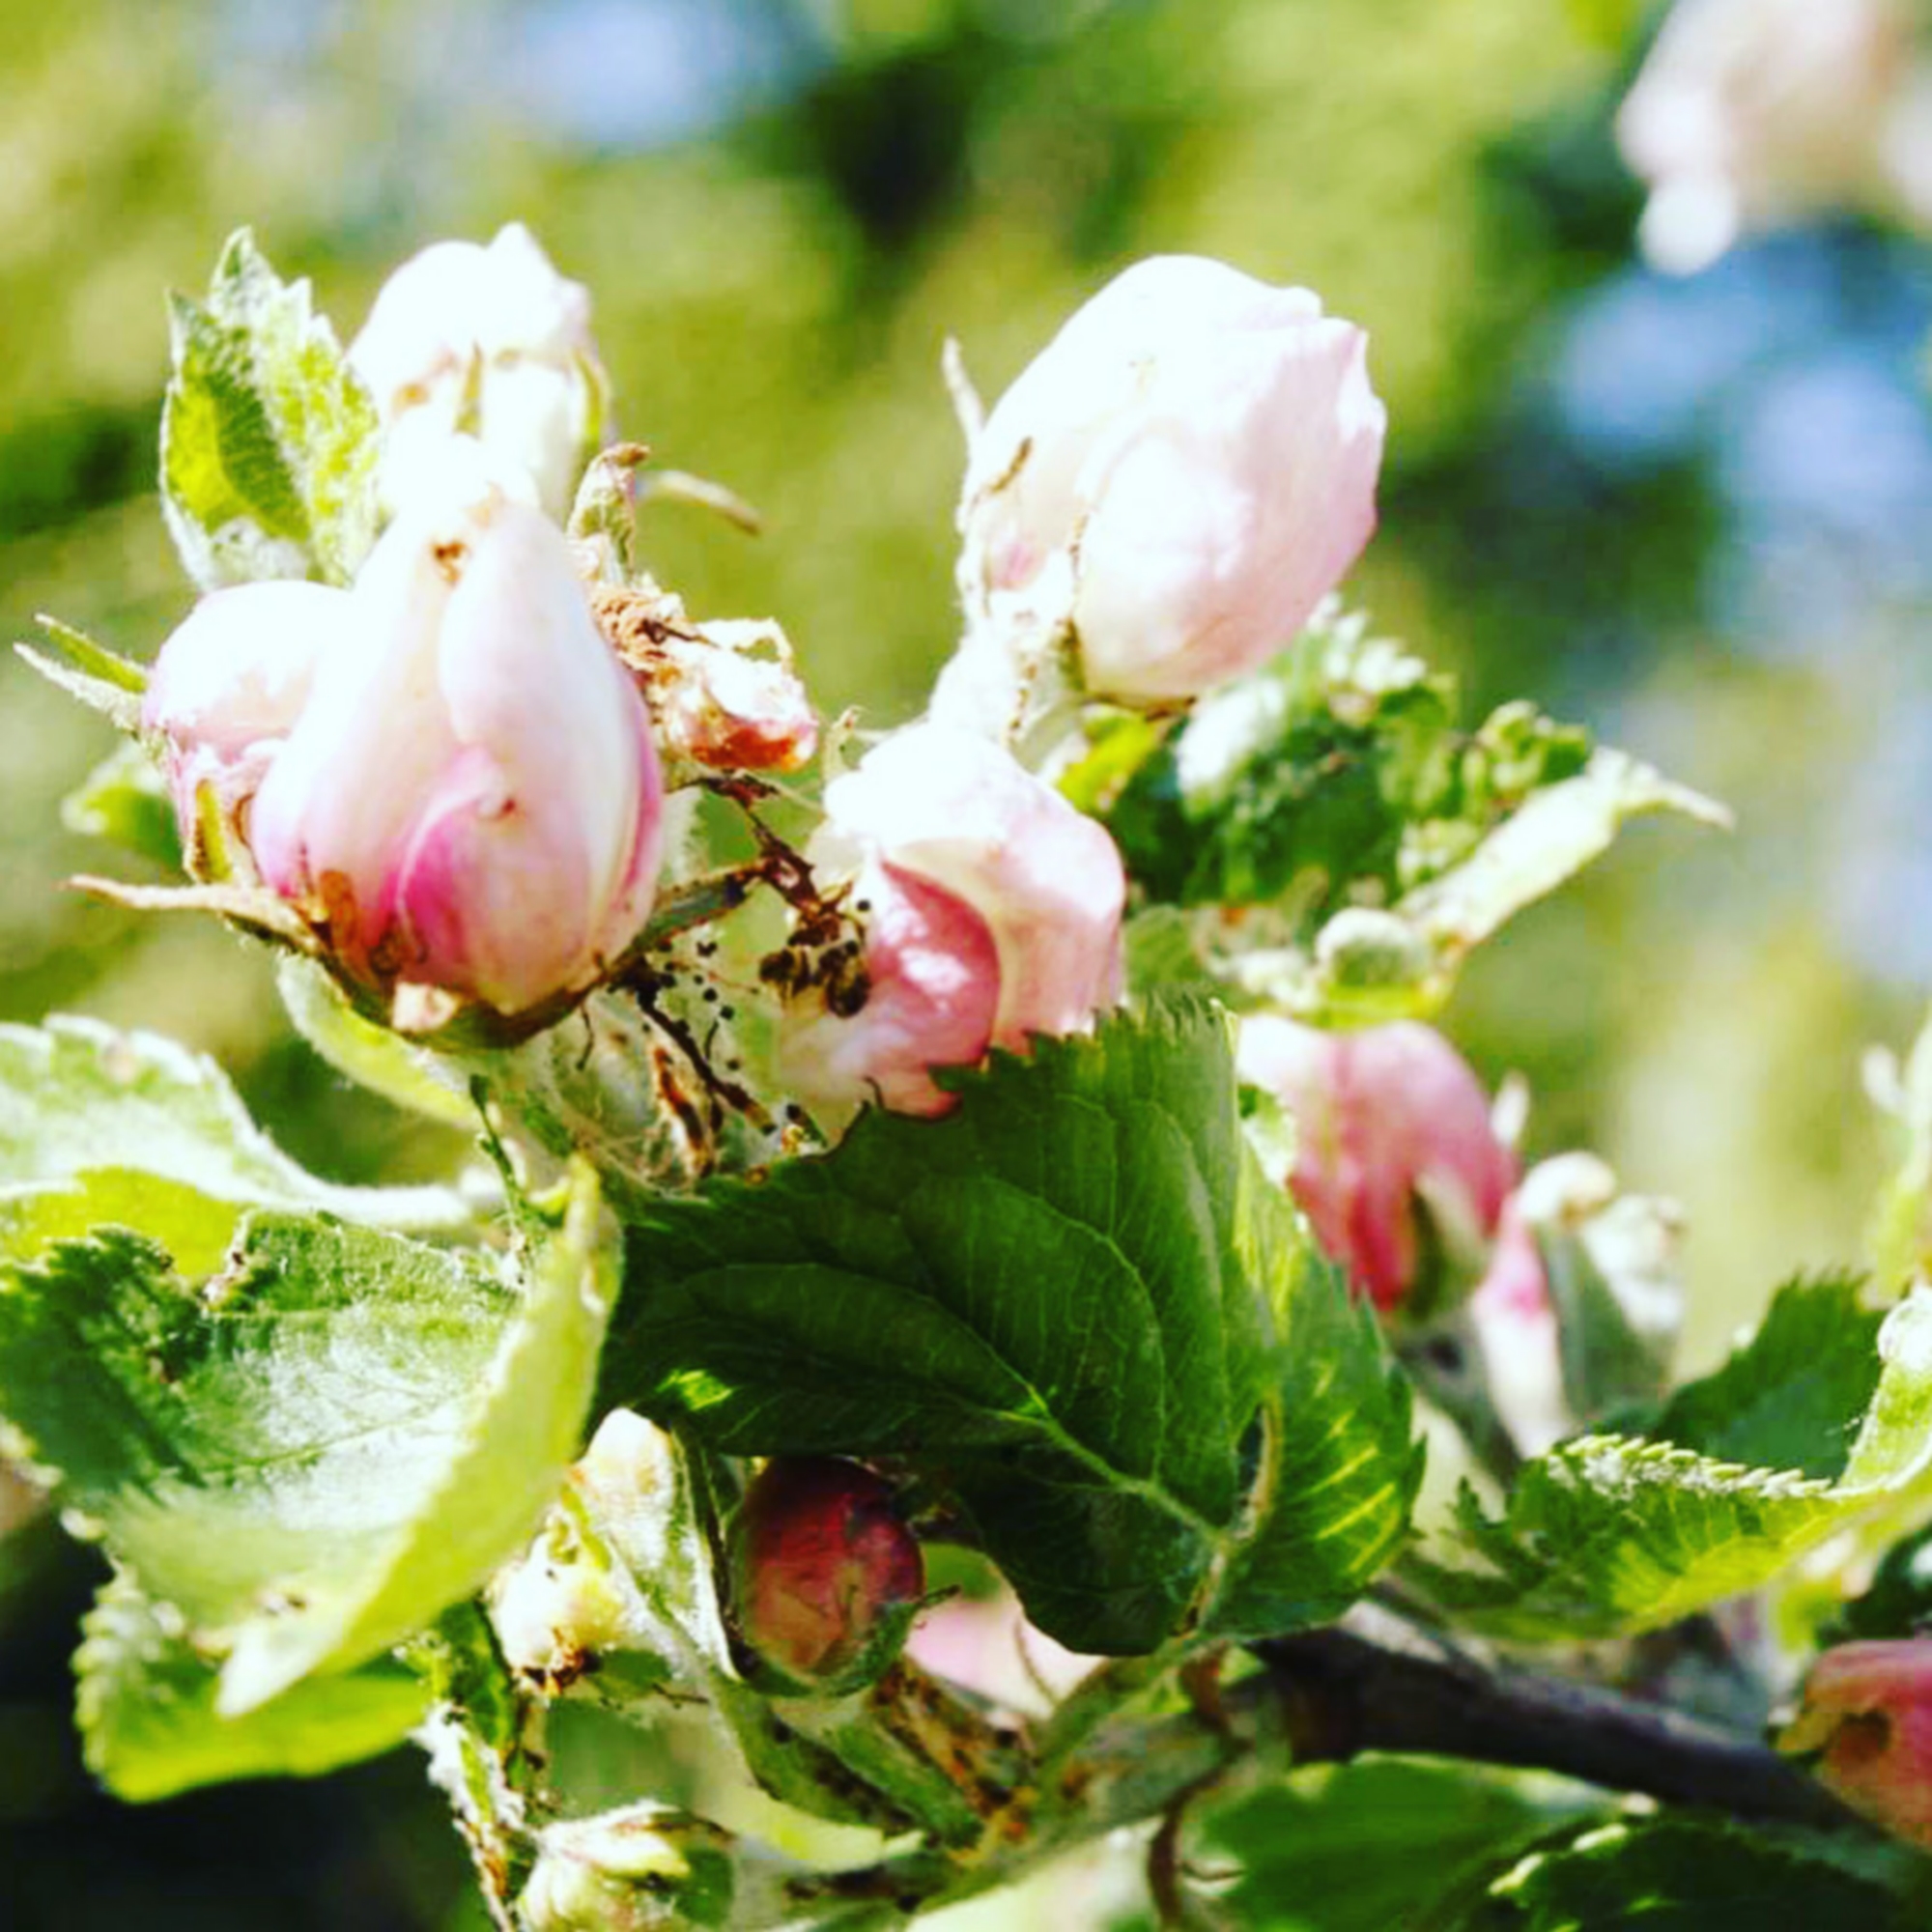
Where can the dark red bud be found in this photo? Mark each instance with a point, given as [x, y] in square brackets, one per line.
[826, 1577]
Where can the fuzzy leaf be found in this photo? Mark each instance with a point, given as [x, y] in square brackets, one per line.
[1063, 1303]
[99, 1126]
[145, 1701]
[312, 1455]
[1607, 1535]
[123, 801]
[268, 439]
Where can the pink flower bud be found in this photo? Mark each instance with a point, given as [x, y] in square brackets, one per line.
[470, 799]
[1869, 1710]
[1390, 1125]
[493, 340]
[230, 682]
[1203, 450]
[825, 1576]
[990, 910]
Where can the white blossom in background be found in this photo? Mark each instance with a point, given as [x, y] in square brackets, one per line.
[990, 910]
[470, 798]
[494, 342]
[1752, 112]
[1184, 473]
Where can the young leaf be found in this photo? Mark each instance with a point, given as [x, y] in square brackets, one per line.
[1058, 1302]
[123, 801]
[146, 1700]
[268, 439]
[314, 1454]
[101, 1126]
[90, 672]
[1607, 1535]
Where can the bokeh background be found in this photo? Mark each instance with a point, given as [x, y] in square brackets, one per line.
[1695, 513]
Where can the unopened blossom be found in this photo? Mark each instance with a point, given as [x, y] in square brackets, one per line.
[489, 340]
[825, 1575]
[1397, 1164]
[1750, 112]
[1185, 471]
[230, 682]
[470, 799]
[988, 910]
[1867, 1712]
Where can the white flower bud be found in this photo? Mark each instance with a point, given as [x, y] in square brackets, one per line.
[1189, 467]
[489, 340]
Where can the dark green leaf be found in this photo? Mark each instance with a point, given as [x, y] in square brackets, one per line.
[1060, 1303]
[1686, 1875]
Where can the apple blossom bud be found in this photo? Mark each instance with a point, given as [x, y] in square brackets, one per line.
[1200, 450]
[490, 340]
[644, 1868]
[230, 682]
[1749, 112]
[990, 909]
[1867, 1710]
[1397, 1165]
[825, 1576]
[470, 800]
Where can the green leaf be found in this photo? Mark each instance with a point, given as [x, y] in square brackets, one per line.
[1550, 839]
[147, 1709]
[312, 1455]
[1339, 1468]
[1742, 1473]
[99, 1126]
[123, 801]
[1334, 785]
[268, 439]
[405, 1074]
[90, 672]
[1061, 1302]
[1686, 1875]
[1367, 1847]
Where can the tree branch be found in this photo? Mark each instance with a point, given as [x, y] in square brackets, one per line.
[1377, 1683]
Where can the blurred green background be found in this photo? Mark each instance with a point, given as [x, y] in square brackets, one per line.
[1696, 515]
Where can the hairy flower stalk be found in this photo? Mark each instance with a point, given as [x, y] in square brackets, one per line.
[445, 770]
[1180, 476]
[988, 908]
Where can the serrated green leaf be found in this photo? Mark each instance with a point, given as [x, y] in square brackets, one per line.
[314, 1454]
[123, 801]
[1056, 1302]
[146, 1703]
[1372, 1846]
[1685, 1875]
[1791, 1398]
[268, 439]
[1608, 1535]
[103, 1127]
